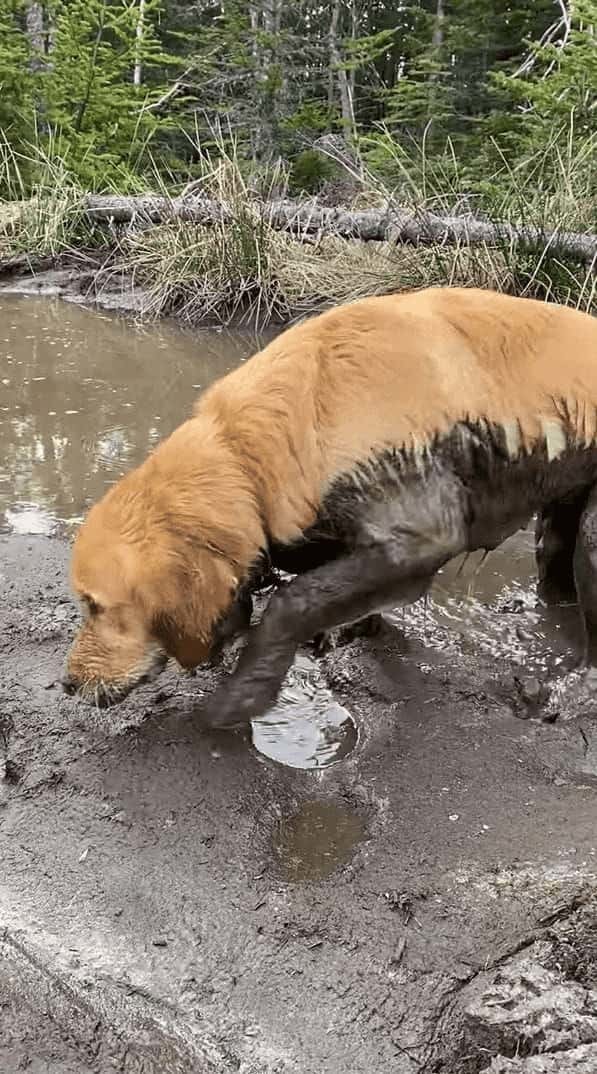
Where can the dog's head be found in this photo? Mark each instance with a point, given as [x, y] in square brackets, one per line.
[156, 568]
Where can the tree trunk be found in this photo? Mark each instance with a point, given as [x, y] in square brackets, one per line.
[34, 24]
[438, 28]
[354, 32]
[332, 40]
[305, 219]
[138, 71]
[346, 101]
[265, 16]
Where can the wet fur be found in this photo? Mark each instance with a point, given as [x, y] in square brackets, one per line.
[420, 425]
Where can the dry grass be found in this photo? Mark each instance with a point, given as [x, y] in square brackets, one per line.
[249, 272]
[43, 217]
[244, 270]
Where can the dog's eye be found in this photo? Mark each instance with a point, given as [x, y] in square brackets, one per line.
[92, 606]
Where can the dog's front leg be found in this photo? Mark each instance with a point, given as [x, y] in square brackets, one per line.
[382, 572]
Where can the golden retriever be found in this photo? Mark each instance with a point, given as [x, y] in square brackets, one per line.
[361, 450]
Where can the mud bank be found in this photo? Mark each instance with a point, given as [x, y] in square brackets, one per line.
[86, 279]
[177, 902]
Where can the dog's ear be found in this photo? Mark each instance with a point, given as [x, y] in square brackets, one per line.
[184, 600]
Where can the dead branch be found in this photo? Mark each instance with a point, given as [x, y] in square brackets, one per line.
[303, 219]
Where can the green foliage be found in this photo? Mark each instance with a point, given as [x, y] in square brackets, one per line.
[105, 123]
[80, 101]
[310, 119]
[309, 172]
[449, 104]
[561, 84]
[15, 77]
[363, 51]
[547, 114]
[280, 75]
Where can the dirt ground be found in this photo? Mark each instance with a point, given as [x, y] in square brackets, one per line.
[176, 902]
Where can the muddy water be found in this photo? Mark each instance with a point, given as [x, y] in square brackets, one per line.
[313, 842]
[84, 396]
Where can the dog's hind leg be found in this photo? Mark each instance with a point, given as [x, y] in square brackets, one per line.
[585, 576]
[556, 532]
[404, 541]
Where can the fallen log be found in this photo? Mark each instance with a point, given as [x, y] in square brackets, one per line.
[304, 219]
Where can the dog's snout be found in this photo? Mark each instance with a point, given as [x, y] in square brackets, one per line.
[69, 685]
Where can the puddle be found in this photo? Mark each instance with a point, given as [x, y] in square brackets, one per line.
[84, 396]
[313, 842]
[28, 519]
[489, 604]
[307, 728]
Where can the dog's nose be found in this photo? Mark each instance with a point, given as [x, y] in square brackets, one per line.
[69, 684]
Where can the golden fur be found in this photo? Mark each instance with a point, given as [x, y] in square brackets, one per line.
[159, 559]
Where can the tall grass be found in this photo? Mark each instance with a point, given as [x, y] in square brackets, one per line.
[41, 201]
[40, 213]
[553, 190]
[243, 270]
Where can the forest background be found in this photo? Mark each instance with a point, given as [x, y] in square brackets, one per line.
[466, 112]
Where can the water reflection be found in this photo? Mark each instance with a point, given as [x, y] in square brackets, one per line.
[84, 396]
[307, 727]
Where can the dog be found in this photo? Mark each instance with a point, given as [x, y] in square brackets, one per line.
[359, 451]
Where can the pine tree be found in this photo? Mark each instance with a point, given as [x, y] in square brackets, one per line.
[15, 75]
[101, 120]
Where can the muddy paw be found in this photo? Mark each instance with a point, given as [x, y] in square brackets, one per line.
[221, 718]
[225, 711]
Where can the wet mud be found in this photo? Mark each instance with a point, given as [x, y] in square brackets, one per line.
[395, 872]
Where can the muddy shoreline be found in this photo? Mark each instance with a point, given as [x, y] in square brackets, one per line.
[84, 278]
[166, 903]
[89, 278]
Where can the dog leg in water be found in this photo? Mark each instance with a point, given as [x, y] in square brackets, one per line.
[369, 627]
[408, 541]
[585, 576]
[556, 532]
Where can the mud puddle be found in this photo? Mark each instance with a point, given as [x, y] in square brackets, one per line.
[85, 395]
[313, 842]
[307, 728]
[468, 832]
[488, 603]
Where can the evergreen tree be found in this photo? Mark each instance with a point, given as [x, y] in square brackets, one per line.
[116, 85]
[15, 75]
[104, 122]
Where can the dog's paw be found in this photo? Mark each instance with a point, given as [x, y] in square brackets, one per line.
[223, 712]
